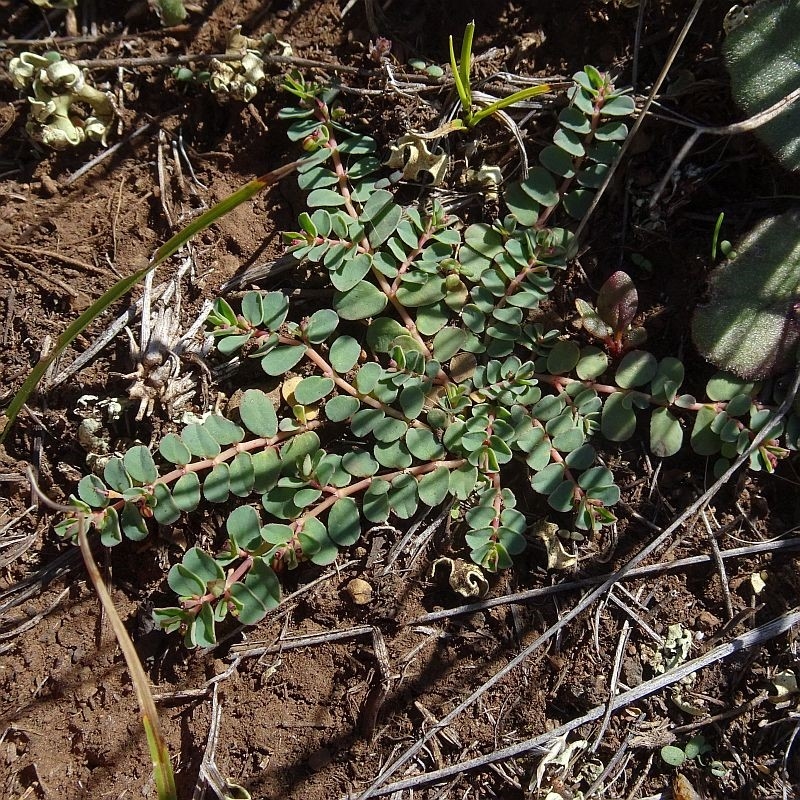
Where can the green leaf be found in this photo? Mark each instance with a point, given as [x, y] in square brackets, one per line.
[312, 389]
[521, 205]
[569, 142]
[201, 631]
[344, 354]
[174, 450]
[186, 492]
[300, 446]
[672, 755]
[93, 491]
[362, 301]
[576, 203]
[359, 464]
[199, 441]
[242, 475]
[563, 357]
[422, 444]
[617, 422]
[666, 434]
[540, 186]
[342, 407]
[434, 487]
[321, 324]
[463, 481]
[557, 161]
[547, 480]
[620, 106]
[266, 470]
[393, 455]
[403, 496]
[139, 464]
[263, 583]
[216, 486]
[413, 295]
[637, 368]
[166, 510]
[344, 522]
[110, 533]
[253, 306]
[723, 387]
[592, 364]
[244, 527]
[184, 582]
[282, 358]
[375, 504]
[382, 332]
[703, 439]
[324, 198]
[115, 475]
[412, 400]
[222, 430]
[447, 342]
[258, 413]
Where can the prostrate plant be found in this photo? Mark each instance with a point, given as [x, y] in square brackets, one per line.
[427, 381]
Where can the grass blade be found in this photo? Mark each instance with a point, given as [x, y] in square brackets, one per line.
[126, 284]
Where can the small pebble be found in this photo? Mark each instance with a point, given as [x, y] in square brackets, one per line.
[359, 591]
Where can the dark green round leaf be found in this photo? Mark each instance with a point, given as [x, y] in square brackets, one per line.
[359, 464]
[166, 510]
[382, 332]
[242, 475]
[422, 444]
[403, 496]
[592, 364]
[434, 487]
[557, 161]
[563, 357]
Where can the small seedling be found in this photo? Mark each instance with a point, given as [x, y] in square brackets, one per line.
[696, 749]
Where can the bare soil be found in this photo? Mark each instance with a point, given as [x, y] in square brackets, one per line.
[313, 722]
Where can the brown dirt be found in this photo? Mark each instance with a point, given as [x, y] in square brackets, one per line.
[297, 722]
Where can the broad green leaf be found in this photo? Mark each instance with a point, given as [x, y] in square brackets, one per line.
[186, 492]
[434, 487]
[563, 357]
[216, 486]
[282, 358]
[403, 496]
[258, 413]
[617, 422]
[110, 532]
[637, 368]
[382, 332]
[166, 510]
[344, 354]
[324, 198]
[359, 463]
[174, 450]
[321, 324]
[139, 464]
[266, 470]
[222, 430]
[447, 342]
[422, 444]
[666, 434]
[93, 491]
[362, 301]
[312, 389]
[184, 582]
[375, 504]
[592, 364]
[340, 408]
[242, 475]
[344, 522]
[199, 441]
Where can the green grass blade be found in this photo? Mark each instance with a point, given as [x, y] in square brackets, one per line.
[126, 284]
[523, 94]
[466, 61]
[466, 100]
